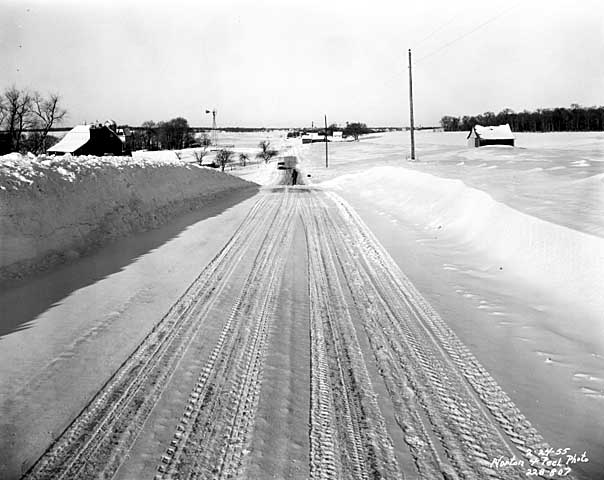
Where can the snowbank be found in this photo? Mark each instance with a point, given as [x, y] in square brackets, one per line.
[547, 254]
[56, 208]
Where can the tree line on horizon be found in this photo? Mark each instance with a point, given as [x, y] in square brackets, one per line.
[177, 134]
[163, 135]
[560, 119]
[352, 129]
[27, 117]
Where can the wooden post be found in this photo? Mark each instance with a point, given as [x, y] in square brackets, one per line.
[411, 109]
[326, 152]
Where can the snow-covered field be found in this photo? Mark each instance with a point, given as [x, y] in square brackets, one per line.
[520, 207]
[508, 244]
[243, 142]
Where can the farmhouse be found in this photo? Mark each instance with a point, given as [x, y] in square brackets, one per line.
[89, 140]
[480, 136]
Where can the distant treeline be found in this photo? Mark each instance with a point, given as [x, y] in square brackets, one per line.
[169, 135]
[561, 119]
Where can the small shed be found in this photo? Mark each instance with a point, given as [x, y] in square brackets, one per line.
[481, 136]
[89, 140]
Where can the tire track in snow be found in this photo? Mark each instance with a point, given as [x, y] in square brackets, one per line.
[472, 418]
[348, 437]
[96, 441]
[212, 437]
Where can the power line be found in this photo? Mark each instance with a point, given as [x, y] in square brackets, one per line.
[447, 23]
[455, 40]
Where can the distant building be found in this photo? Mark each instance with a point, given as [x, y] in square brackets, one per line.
[90, 140]
[481, 136]
[312, 137]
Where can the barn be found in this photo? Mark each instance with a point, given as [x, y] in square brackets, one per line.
[481, 136]
[89, 140]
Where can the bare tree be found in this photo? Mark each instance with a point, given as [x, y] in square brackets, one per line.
[21, 110]
[355, 129]
[201, 153]
[3, 111]
[205, 140]
[149, 136]
[18, 110]
[266, 152]
[223, 157]
[243, 158]
[46, 112]
[174, 134]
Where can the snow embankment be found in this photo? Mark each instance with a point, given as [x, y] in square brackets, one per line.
[54, 209]
[566, 261]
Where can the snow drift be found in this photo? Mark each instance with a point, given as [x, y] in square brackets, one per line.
[53, 209]
[544, 253]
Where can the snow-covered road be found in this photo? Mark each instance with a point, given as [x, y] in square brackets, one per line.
[387, 387]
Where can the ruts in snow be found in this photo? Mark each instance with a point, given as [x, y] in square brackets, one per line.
[450, 417]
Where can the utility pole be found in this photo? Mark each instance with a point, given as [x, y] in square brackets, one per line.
[411, 109]
[326, 152]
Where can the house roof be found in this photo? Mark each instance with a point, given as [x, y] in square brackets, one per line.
[74, 139]
[500, 132]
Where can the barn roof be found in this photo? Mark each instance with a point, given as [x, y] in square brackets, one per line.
[74, 139]
[500, 132]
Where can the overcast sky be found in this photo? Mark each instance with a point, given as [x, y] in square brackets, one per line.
[286, 63]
